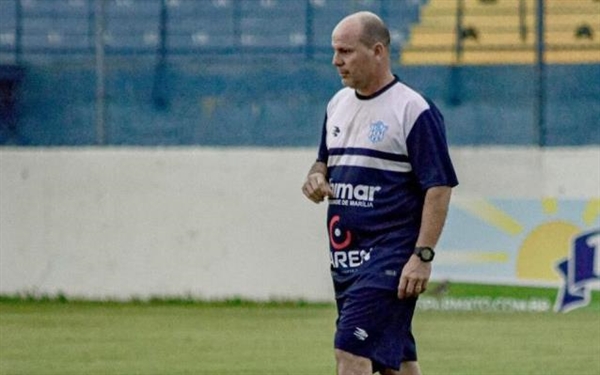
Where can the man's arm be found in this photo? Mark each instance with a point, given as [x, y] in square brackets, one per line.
[316, 187]
[435, 210]
[415, 274]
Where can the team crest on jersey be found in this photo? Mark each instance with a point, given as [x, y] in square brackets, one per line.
[377, 131]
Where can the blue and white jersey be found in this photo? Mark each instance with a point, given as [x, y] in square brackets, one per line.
[382, 153]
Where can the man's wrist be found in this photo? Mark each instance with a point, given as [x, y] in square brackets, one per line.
[425, 253]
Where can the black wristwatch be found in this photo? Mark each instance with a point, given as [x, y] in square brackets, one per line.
[424, 253]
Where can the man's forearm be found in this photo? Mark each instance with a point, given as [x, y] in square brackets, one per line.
[435, 210]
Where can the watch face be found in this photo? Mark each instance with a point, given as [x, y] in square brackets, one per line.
[426, 254]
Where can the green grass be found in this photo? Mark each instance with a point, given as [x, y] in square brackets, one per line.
[170, 337]
[507, 343]
[78, 338]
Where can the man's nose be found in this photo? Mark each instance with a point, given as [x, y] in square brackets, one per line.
[336, 60]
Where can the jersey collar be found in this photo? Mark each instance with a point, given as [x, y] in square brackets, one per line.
[377, 93]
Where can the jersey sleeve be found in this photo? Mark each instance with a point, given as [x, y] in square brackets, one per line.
[428, 150]
[323, 153]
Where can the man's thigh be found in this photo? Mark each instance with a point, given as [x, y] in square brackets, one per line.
[348, 363]
[407, 368]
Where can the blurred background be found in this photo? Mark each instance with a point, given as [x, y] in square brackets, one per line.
[191, 72]
[96, 200]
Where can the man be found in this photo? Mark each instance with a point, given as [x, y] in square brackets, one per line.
[384, 166]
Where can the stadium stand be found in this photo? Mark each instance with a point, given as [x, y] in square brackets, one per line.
[284, 28]
[257, 72]
[41, 27]
[503, 32]
[132, 25]
[572, 31]
[8, 31]
[201, 24]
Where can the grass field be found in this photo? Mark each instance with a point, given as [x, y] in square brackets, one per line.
[58, 337]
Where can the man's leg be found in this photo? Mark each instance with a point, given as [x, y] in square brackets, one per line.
[374, 324]
[350, 364]
[407, 368]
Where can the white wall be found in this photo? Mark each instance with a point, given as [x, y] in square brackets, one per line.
[528, 172]
[208, 222]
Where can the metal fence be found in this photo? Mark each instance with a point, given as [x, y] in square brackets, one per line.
[104, 40]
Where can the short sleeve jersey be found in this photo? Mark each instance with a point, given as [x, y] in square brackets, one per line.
[382, 153]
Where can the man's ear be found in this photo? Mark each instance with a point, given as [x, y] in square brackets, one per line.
[379, 51]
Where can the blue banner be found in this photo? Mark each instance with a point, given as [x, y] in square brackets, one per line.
[578, 271]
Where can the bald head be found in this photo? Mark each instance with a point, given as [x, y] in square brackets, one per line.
[370, 27]
[361, 52]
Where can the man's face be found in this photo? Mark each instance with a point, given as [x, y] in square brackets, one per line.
[354, 61]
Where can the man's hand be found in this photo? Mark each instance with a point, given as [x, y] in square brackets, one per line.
[414, 278]
[316, 188]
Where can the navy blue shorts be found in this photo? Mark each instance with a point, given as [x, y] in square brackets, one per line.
[375, 324]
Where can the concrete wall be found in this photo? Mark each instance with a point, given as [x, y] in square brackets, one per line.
[209, 222]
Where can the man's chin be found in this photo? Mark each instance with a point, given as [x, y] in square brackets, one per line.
[347, 82]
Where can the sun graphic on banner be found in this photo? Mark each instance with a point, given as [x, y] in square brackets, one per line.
[541, 249]
[543, 243]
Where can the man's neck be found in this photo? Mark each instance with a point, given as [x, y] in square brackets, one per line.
[378, 84]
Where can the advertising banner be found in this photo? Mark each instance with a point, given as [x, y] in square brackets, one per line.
[548, 243]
